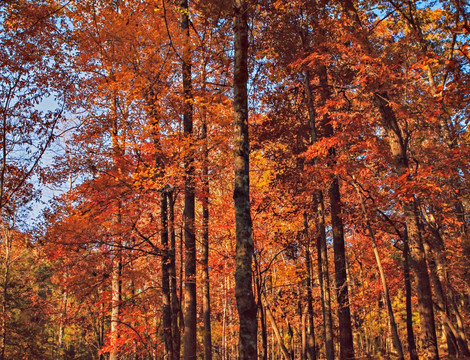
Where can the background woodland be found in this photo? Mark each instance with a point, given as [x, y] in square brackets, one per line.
[337, 229]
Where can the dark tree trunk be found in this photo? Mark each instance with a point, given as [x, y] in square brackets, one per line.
[206, 305]
[409, 311]
[247, 345]
[322, 256]
[175, 308]
[166, 301]
[190, 311]
[310, 344]
[342, 294]
[344, 312]
[324, 277]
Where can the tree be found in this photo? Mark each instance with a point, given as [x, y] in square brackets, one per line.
[241, 194]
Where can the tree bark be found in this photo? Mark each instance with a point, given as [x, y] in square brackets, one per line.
[322, 255]
[115, 302]
[342, 294]
[247, 348]
[310, 348]
[409, 311]
[175, 308]
[5, 285]
[166, 301]
[206, 306]
[116, 286]
[190, 325]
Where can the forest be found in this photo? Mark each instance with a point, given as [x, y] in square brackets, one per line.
[234, 179]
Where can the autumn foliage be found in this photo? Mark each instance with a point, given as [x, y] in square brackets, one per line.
[172, 172]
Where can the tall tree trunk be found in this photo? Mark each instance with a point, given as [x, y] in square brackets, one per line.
[324, 277]
[116, 283]
[115, 302]
[417, 254]
[166, 301]
[322, 255]
[409, 311]
[206, 306]
[310, 348]
[259, 284]
[342, 294]
[5, 284]
[175, 308]
[62, 320]
[247, 347]
[190, 326]
[396, 339]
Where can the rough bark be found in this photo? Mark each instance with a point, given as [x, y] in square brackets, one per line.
[115, 301]
[190, 325]
[175, 308]
[310, 345]
[116, 270]
[342, 294]
[247, 348]
[322, 256]
[324, 278]
[409, 311]
[5, 284]
[206, 300]
[259, 283]
[166, 301]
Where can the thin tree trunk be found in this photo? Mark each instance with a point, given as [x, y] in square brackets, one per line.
[409, 311]
[63, 316]
[310, 350]
[175, 308]
[324, 278]
[322, 256]
[115, 302]
[259, 291]
[396, 339]
[344, 312]
[116, 285]
[206, 306]
[277, 333]
[247, 348]
[5, 284]
[166, 301]
[303, 324]
[190, 325]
